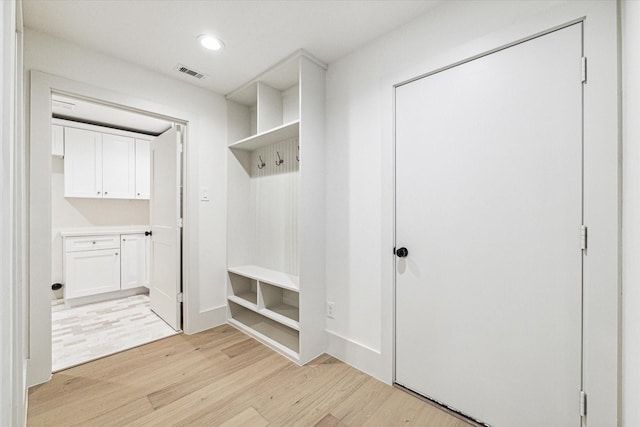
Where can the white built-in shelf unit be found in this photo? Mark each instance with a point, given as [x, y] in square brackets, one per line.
[275, 284]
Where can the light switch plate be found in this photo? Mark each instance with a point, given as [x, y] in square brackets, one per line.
[204, 194]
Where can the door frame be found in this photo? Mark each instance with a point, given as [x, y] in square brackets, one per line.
[602, 190]
[39, 204]
[453, 411]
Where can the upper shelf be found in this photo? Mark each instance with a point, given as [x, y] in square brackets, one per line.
[272, 277]
[281, 133]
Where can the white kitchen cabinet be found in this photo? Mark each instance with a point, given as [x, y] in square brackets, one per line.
[82, 163]
[118, 167]
[90, 271]
[57, 140]
[143, 169]
[98, 263]
[133, 261]
[102, 163]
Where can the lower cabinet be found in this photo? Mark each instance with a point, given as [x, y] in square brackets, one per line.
[134, 261]
[105, 263]
[92, 272]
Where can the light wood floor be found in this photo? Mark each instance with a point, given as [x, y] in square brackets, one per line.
[221, 377]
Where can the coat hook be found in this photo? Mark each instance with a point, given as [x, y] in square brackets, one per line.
[298, 155]
[279, 161]
[261, 164]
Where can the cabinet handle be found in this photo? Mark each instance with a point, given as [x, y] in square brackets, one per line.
[98, 192]
[105, 192]
[93, 243]
[124, 240]
[138, 194]
[116, 253]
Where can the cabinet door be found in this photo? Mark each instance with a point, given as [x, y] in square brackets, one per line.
[133, 261]
[143, 169]
[147, 267]
[91, 272]
[118, 167]
[57, 140]
[82, 163]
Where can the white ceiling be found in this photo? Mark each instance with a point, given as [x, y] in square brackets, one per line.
[162, 33]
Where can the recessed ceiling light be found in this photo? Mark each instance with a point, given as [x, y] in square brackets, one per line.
[210, 42]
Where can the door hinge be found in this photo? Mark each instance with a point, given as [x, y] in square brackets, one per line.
[584, 69]
[583, 237]
[583, 403]
[179, 222]
[180, 298]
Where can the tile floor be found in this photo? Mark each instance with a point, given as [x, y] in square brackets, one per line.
[92, 331]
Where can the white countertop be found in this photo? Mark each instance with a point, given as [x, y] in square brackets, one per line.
[101, 231]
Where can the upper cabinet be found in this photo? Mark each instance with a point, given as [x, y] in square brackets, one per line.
[143, 169]
[103, 165]
[118, 167]
[82, 163]
[57, 140]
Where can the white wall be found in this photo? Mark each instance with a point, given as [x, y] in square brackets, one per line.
[80, 213]
[631, 212]
[359, 185]
[205, 111]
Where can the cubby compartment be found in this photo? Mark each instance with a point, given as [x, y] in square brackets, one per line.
[266, 104]
[243, 291]
[280, 304]
[266, 330]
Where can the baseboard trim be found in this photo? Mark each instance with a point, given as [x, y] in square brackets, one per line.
[93, 299]
[206, 319]
[360, 356]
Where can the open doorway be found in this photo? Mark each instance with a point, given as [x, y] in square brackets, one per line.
[42, 88]
[102, 247]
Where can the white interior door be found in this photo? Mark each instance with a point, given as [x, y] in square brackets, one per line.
[165, 280]
[489, 206]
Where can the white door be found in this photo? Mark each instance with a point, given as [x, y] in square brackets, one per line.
[118, 167]
[489, 207]
[165, 280]
[82, 163]
[143, 173]
[133, 271]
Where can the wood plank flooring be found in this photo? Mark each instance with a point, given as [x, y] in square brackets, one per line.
[221, 377]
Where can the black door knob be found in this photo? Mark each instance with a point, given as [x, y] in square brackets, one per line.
[147, 233]
[402, 252]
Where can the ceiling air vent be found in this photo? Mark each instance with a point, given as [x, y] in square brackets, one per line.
[181, 68]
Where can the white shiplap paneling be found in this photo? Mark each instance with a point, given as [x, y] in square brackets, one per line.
[274, 206]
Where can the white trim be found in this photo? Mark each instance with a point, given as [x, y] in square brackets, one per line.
[206, 319]
[42, 85]
[13, 393]
[360, 356]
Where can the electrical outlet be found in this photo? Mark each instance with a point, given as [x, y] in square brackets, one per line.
[331, 310]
